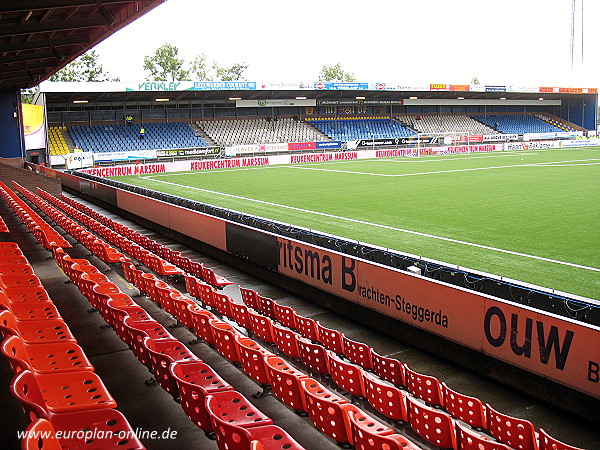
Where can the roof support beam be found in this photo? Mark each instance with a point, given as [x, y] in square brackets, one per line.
[33, 5]
[29, 28]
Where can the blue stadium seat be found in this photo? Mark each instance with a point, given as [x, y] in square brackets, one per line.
[102, 138]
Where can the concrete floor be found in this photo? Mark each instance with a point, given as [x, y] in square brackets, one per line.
[148, 407]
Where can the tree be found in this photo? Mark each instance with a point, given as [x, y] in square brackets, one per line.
[85, 68]
[233, 73]
[200, 68]
[165, 65]
[335, 73]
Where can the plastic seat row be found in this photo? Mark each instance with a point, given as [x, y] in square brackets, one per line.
[138, 243]
[150, 342]
[295, 389]
[386, 398]
[43, 232]
[54, 380]
[3, 227]
[146, 257]
[101, 249]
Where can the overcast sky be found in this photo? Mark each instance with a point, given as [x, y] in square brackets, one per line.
[521, 42]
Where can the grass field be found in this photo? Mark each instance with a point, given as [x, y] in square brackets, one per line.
[533, 215]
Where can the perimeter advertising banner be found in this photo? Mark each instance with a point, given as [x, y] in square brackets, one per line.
[34, 127]
[555, 347]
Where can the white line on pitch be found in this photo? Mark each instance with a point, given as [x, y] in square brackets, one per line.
[548, 164]
[387, 227]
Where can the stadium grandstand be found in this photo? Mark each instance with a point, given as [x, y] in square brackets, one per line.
[137, 318]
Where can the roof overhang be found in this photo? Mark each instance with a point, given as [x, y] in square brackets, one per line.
[40, 37]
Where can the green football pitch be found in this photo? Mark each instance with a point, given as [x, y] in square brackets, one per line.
[531, 215]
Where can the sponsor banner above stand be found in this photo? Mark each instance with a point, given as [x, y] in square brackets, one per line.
[329, 144]
[236, 150]
[280, 147]
[161, 86]
[552, 135]
[500, 137]
[275, 103]
[495, 88]
[385, 142]
[78, 160]
[125, 155]
[581, 143]
[527, 145]
[348, 86]
[188, 152]
[360, 102]
[224, 85]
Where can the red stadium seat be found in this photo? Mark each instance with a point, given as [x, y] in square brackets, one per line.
[370, 434]
[250, 298]
[463, 407]
[44, 394]
[328, 412]
[357, 352]
[285, 315]
[210, 277]
[389, 369]
[182, 305]
[40, 435]
[331, 339]
[232, 436]
[285, 340]
[307, 327]
[252, 357]
[261, 326]
[285, 382]
[512, 431]
[135, 333]
[240, 314]
[35, 331]
[222, 304]
[346, 375]
[266, 306]
[163, 353]
[195, 380]
[547, 442]
[207, 295]
[45, 358]
[468, 439]
[191, 285]
[385, 398]
[43, 310]
[425, 387]
[233, 408]
[200, 320]
[108, 423]
[434, 426]
[314, 356]
[224, 336]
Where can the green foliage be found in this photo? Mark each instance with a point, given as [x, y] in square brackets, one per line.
[335, 73]
[165, 65]
[232, 73]
[85, 68]
[200, 68]
[27, 95]
[519, 202]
